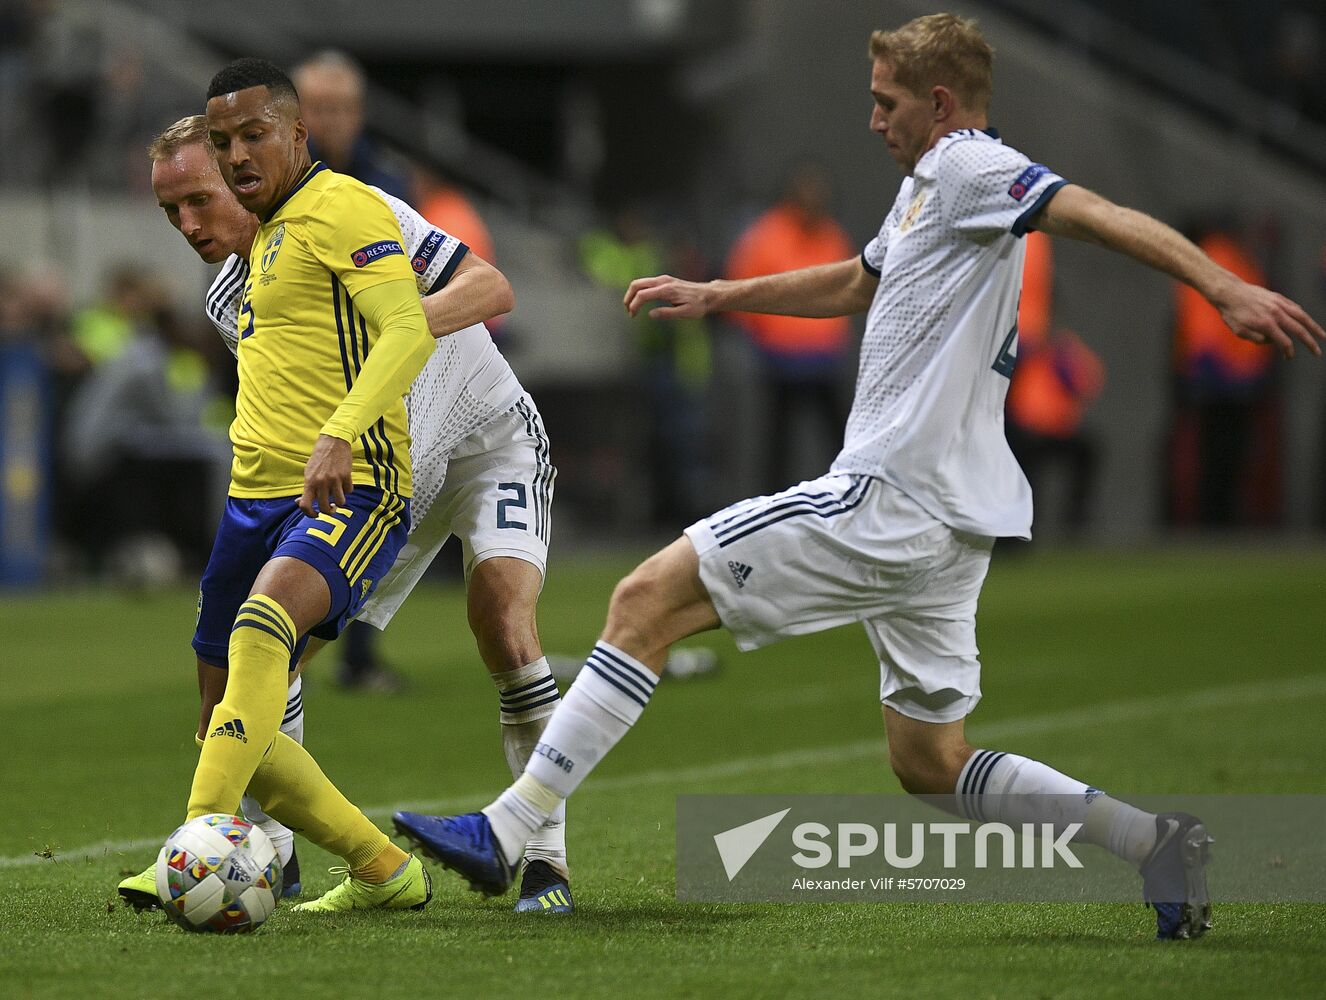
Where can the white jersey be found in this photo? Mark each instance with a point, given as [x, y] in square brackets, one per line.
[464, 385]
[941, 335]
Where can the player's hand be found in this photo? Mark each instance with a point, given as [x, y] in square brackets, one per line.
[681, 299]
[1266, 317]
[327, 476]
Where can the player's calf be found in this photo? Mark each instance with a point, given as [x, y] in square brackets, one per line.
[926, 757]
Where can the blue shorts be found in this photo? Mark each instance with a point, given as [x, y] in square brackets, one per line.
[352, 549]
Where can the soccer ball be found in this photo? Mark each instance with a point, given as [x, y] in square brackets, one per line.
[220, 874]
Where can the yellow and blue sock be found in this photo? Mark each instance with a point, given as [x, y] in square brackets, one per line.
[247, 718]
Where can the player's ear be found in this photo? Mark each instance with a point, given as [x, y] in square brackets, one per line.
[300, 133]
[942, 103]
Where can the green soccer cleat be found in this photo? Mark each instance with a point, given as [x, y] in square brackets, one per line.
[410, 890]
[140, 891]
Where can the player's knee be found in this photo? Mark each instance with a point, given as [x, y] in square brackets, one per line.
[632, 592]
[506, 635]
[631, 610]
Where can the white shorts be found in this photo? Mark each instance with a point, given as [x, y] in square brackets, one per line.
[497, 499]
[846, 548]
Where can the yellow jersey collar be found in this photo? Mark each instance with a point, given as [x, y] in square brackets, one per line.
[312, 172]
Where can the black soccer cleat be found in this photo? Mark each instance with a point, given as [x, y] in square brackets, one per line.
[1174, 877]
[544, 890]
[290, 883]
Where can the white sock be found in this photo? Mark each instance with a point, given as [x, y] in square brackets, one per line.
[1005, 788]
[529, 697]
[293, 726]
[608, 695]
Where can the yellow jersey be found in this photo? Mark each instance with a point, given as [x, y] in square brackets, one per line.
[302, 342]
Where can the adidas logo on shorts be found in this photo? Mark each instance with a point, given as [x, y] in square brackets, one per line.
[233, 728]
[740, 573]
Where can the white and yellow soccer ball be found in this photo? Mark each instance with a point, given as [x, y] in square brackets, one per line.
[219, 874]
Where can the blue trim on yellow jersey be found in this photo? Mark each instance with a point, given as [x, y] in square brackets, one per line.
[313, 171]
[350, 366]
[375, 442]
[378, 430]
[449, 268]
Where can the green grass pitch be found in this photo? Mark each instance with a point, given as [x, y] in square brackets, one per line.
[1172, 671]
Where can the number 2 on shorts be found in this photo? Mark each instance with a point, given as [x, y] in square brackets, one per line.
[516, 502]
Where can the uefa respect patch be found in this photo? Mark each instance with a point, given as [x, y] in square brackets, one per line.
[1028, 177]
[427, 251]
[375, 251]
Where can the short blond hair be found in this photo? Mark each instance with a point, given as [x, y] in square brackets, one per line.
[191, 131]
[939, 50]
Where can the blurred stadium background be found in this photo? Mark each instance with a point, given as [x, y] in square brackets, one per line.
[665, 124]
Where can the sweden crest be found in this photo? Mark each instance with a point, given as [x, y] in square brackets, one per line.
[272, 248]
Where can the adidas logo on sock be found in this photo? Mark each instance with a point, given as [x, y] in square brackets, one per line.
[740, 573]
[233, 728]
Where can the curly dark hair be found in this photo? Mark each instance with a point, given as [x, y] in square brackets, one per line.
[250, 72]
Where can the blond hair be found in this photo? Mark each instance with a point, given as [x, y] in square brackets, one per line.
[189, 131]
[939, 50]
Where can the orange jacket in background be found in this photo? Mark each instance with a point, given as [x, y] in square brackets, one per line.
[1057, 375]
[447, 208]
[780, 241]
[1053, 384]
[1035, 308]
[1204, 347]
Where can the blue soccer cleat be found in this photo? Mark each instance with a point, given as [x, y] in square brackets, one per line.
[290, 884]
[544, 890]
[1174, 877]
[464, 844]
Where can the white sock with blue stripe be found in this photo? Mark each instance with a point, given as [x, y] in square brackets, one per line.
[293, 726]
[608, 695]
[1000, 787]
[529, 697]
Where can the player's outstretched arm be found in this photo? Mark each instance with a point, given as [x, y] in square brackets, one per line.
[477, 292]
[402, 347]
[1253, 313]
[838, 289]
